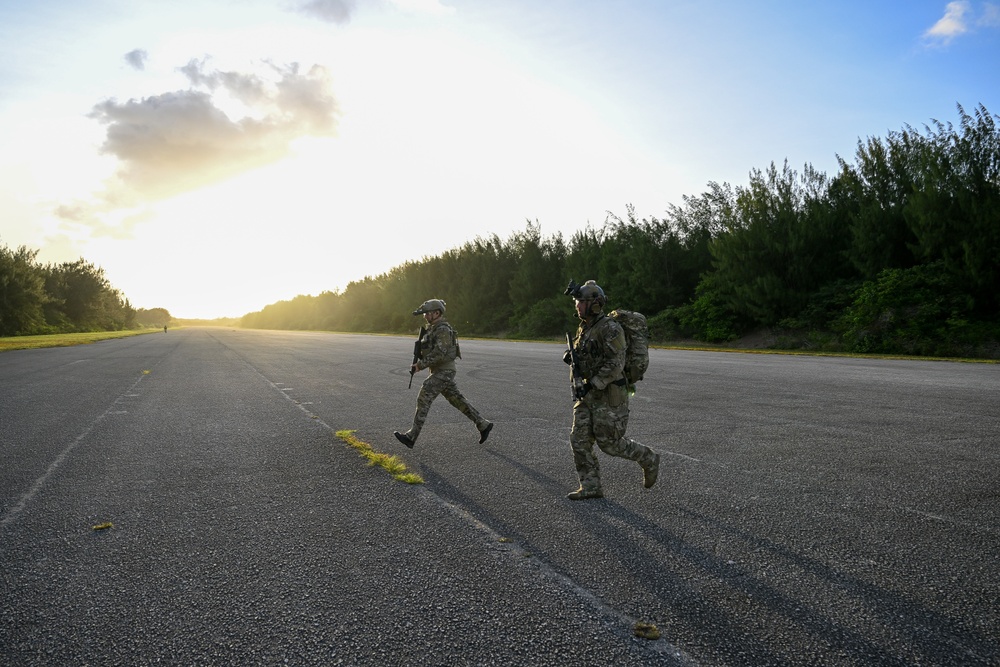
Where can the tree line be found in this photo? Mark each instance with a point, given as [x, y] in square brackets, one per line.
[898, 252]
[69, 297]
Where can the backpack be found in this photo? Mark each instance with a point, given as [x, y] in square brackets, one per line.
[637, 343]
[454, 352]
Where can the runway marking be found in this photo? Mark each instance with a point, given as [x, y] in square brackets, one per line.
[674, 454]
[546, 571]
[40, 482]
[949, 520]
[682, 456]
[661, 646]
[936, 517]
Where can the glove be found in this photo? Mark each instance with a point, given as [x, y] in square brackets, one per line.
[568, 357]
[583, 390]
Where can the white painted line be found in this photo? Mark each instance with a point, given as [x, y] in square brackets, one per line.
[40, 482]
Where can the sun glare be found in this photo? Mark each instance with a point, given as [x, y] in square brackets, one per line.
[415, 112]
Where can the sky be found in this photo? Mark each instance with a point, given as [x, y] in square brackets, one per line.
[217, 156]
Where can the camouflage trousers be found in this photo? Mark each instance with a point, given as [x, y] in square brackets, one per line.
[443, 383]
[595, 421]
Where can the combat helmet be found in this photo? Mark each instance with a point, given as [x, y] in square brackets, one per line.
[429, 306]
[589, 291]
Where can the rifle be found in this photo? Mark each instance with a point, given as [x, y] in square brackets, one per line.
[416, 354]
[575, 375]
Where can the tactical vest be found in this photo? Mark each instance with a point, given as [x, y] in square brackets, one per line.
[591, 346]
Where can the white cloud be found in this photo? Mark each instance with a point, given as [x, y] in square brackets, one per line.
[183, 140]
[951, 25]
[137, 59]
[332, 11]
[960, 17]
[991, 16]
[342, 11]
[423, 6]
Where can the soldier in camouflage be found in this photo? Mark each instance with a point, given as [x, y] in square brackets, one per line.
[600, 413]
[438, 351]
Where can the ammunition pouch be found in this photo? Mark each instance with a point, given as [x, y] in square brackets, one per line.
[617, 392]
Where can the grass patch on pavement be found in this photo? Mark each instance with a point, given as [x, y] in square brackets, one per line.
[66, 339]
[391, 464]
[646, 630]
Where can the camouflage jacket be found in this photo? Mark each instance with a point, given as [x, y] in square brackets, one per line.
[439, 348]
[600, 344]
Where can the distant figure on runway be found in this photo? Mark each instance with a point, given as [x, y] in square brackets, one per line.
[438, 351]
[164, 328]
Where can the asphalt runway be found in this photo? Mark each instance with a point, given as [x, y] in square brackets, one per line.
[810, 510]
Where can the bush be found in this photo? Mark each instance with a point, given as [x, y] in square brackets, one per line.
[915, 311]
[826, 306]
[550, 317]
[707, 318]
[665, 326]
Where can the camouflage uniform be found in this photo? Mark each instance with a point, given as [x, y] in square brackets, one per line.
[438, 351]
[601, 415]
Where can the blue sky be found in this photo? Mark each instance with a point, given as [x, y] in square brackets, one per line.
[214, 157]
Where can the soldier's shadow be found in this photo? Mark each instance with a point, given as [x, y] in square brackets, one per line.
[676, 572]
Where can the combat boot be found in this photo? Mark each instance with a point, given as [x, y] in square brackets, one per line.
[485, 432]
[404, 438]
[585, 494]
[651, 471]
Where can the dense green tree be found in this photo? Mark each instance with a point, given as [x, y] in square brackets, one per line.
[779, 245]
[363, 305]
[73, 296]
[635, 263]
[537, 267]
[921, 310]
[873, 194]
[917, 217]
[706, 318]
[478, 277]
[83, 298]
[668, 257]
[537, 277]
[954, 210]
[583, 260]
[696, 224]
[152, 317]
[22, 293]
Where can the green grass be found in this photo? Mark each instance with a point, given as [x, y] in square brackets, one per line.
[67, 339]
[646, 630]
[391, 464]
